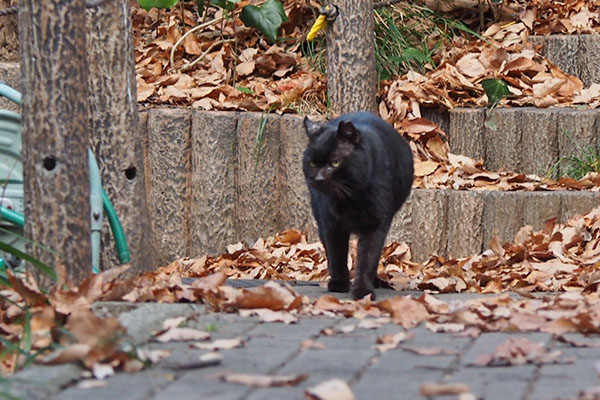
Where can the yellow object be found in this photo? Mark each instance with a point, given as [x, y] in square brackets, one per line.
[317, 26]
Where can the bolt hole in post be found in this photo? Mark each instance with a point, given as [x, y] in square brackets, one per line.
[130, 173]
[49, 163]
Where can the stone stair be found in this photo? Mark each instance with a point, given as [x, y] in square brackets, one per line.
[213, 190]
[208, 188]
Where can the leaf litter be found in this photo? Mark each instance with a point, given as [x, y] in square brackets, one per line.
[242, 71]
[542, 281]
[562, 258]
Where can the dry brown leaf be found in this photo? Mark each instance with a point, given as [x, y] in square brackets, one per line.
[264, 380]
[182, 335]
[517, 351]
[405, 311]
[392, 341]
[221, 344]
[432, 389]
[267, 315]
[311, 344]
[424, 168]
[333, 389]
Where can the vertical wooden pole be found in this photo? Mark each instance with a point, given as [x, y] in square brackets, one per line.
[55, 131]
[351, 74]
[115, 128]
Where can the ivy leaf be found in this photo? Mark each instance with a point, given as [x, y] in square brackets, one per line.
[495, 89]
[148, 4]
[266, 18]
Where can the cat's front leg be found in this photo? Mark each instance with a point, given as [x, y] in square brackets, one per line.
[369, 252]
[336, 241]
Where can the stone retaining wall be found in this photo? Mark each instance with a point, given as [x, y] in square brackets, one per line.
[212, 182]
[526, 139]
[575, 54]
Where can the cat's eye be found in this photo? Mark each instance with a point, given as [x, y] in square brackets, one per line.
[335, 163]
[312, 164]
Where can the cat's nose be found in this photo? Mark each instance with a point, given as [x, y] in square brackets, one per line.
[319, 177]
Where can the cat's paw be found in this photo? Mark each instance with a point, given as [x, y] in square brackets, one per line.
[338, 286]
[381, 284]
[358, 292]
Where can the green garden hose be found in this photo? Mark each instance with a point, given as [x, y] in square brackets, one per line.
[6, 214]
[117, 230]
[18, 219]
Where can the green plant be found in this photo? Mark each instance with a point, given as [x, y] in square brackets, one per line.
[260, 140]
[211, 327]
[576, 166]
[407, 38]
[266, 18]
[496, 90]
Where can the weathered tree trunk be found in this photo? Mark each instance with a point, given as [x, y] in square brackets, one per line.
[9, 34]
[115, 128]
[55, 132]
[351, 75]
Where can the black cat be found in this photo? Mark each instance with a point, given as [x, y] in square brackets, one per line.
[359, 171]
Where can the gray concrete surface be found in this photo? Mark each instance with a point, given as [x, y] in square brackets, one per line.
[274, 349]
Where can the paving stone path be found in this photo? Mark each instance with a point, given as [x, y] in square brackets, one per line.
[274, 348]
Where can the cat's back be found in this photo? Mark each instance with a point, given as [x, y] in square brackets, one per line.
[383, 138]
[374, 129]
[390, 152]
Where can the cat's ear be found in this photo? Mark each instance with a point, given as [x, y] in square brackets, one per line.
[348, 132]
[311, 128]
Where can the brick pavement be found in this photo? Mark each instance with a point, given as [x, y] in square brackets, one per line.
[274, 348]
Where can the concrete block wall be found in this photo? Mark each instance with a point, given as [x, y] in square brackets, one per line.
[526, 139]
[214, 181]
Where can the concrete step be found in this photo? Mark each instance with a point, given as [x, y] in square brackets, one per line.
[578, 55]
[208, 187]
[526, 139]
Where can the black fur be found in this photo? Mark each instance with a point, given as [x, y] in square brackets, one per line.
[359, 172]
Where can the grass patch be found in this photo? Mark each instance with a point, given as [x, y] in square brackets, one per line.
[578, 165]
[408, 37]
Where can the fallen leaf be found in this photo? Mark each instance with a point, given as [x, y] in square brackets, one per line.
[391, 341]
[432, 389]
[428, 351]
[175, 322]
[311, 344]
[333, 389]
[182, 335]
[265, 380]
[267, 315]
[221, 344]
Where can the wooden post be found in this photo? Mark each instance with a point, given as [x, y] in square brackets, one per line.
[55, 132]
[115, 128]
[351, 75]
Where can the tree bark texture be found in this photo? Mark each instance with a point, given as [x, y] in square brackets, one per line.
[351, 75]
[9, 34]
[116, 135]
[55, 132]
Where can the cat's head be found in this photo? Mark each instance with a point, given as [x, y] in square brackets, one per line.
[335, 160]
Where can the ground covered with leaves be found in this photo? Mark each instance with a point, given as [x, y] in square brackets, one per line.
[541, 281]
[228, 66]
[544, 281]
